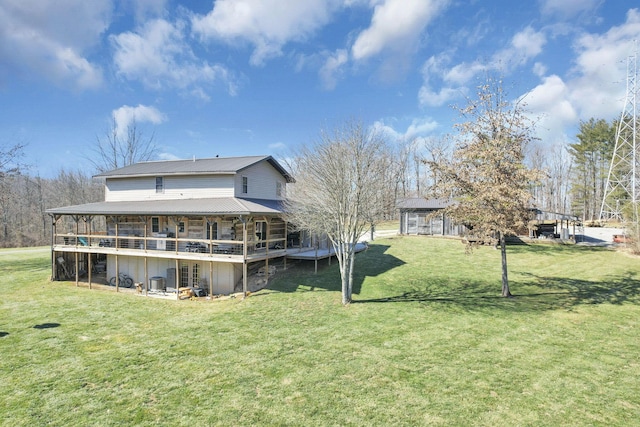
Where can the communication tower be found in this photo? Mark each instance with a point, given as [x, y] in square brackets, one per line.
[622, 188]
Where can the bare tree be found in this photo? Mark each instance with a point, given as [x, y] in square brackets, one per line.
[117, 149]
[487, 176]
[338, 191]
[10, 167]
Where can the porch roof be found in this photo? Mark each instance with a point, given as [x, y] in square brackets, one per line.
[211, 206]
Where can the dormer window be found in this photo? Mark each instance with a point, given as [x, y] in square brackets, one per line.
[159, 184]
[245, 185]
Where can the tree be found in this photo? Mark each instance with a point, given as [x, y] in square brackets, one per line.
[118, 149]
[338, 191]
[591, 156]
[10, 167]
[486, 176]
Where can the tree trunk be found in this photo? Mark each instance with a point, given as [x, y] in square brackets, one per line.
[505, 278]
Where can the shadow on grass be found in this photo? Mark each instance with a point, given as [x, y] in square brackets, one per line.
[537, 294]
[3, 334]
[46, 326]
[372, 262]
[551, 248]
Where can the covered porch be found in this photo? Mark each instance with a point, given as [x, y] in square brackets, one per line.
[208, 252]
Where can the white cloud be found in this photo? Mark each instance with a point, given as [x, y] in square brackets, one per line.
[417, 128]
[143, 9]
[528, 43]
[463, 73]
[435, 67]
[549, 104]
[158, 55]
[266, 24]
[126, 115]
[277, 146]
[333, 67]
[50, 39]
[539, 69]
[599, 86]
[595, 87]
[396, 25]
[566, 9]
[427, 96]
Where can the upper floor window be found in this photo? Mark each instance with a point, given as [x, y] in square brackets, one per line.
[159, 184]
[155, 224]
[279, 192]
[245, 185]
[212, 230]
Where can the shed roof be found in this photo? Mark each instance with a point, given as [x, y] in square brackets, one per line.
[213, 166]
[414, 203]
[210, 206]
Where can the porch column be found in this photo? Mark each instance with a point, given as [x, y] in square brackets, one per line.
[178, 278]
[266, 261]
[244, 256]
[87, 221]
[53, 241]
[77, 268]
[89, 268]
[146, 267]
[117, 244]
[286, 242]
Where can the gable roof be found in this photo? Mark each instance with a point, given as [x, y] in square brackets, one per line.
[211, 206]
[422, 203]
[213, 166]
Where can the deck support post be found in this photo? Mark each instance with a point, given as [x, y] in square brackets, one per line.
[117, 267]
[210, 278]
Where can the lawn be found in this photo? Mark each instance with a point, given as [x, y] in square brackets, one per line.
[428, 341]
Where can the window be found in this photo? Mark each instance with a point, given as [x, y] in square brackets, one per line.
[155, 224]
[245, 185]
[212, 230]
[181, 227]
[279, 189]
[159, 184]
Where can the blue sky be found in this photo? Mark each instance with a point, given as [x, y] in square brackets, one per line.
[249, 77]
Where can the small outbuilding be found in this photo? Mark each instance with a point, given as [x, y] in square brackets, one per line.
[419, 215]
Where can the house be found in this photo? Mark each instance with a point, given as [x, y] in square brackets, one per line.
[419, 215]
[205, 224]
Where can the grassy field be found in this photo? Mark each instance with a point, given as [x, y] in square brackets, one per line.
[428, 341]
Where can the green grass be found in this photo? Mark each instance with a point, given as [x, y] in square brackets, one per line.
[428, 341]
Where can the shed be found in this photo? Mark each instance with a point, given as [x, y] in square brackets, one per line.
[418, 215]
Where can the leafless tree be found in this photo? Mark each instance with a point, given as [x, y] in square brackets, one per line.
[10, 167]
[338, 191]
[116, 149]
[487, 176]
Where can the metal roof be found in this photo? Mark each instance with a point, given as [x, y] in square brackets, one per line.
[422, 203]
[213, 166]
[211, 206]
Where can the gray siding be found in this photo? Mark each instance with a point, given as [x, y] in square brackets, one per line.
[262, 182]
[175, 187]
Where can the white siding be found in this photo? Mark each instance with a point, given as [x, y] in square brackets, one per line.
[262, 179]
[178, 187]
[225, 275]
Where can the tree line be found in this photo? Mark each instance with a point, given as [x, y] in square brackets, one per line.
[573, 182]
